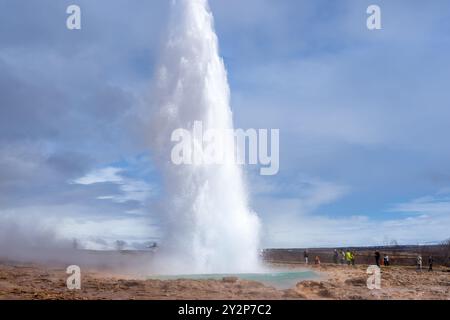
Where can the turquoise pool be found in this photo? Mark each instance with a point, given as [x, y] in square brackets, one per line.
[277, 279]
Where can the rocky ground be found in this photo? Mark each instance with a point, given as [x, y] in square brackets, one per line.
[397, 282]
[30, 281]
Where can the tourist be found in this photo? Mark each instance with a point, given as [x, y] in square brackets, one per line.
[348, 257]
[306, 255]
[342, 257]
[317, 260]
[419, 262]
[377, 258]
[430, 263]
[352, 257]
[386, 260]
[336, 256]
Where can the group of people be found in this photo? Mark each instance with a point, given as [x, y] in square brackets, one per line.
[419, 262]
[344, 257]
[386, 260]
[306, 256]
[348, 257]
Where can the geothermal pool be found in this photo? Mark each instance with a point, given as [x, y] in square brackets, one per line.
[277, 279]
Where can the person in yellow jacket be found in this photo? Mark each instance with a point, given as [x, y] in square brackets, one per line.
[348, 257]
[352, 257]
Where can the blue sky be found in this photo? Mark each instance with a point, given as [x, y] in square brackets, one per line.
[364, 118]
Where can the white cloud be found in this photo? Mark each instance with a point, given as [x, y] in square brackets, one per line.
[132, 190]
[295, 221]
[312, 231]
[306, 194]
[425, 206]
[129, 189]
[108, 174]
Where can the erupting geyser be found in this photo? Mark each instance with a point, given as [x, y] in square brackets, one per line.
[209, 227]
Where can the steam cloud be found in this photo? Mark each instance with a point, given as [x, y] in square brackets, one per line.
[209, 226]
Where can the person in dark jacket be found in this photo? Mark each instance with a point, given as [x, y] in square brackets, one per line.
[306, 256]
[430, 263]
[336, 256]
[353, 256]
[377, 258]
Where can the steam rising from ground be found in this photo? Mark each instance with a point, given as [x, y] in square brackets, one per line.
[209, 226]
[27, 237]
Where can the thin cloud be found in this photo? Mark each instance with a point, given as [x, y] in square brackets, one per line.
[129, 189]
[426, 206]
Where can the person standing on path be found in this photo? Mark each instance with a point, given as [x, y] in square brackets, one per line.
[336, 256]
[342, 257]
[430, 263]
[348, 257]
[386, 260]
[377, 258]
[352, 257]
[306, 256]
[419, 262]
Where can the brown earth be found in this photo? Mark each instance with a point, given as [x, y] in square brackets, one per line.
[31, 281]
[397, 283]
